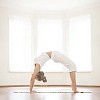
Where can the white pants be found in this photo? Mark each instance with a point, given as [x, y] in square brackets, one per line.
[61, 58]
[56, 57]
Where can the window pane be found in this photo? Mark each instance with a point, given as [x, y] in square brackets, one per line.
[50, 37]
[80, 42]
[19, 44]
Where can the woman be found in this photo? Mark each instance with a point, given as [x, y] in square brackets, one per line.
[58, 58]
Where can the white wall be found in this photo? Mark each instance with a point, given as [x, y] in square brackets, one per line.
[88, 78]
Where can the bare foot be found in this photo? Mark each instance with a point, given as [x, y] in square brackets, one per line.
[73, 85]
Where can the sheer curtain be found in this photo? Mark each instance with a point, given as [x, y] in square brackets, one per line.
[80, 42]
[20, 44]
[50, 37]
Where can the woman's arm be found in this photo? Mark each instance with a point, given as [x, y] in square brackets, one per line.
[73, 79]
[36, 70]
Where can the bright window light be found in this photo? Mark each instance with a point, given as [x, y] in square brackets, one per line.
[50, 38]
[20, 44]
[80, 42]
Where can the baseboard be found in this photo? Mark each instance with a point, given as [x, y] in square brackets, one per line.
[92, 86]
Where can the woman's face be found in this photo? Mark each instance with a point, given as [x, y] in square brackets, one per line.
[36, 77]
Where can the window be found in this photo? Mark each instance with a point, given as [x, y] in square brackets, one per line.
[80, 42]
[20, 44]
[50, 37]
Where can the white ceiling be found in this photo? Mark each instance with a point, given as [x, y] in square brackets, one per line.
[49, 4]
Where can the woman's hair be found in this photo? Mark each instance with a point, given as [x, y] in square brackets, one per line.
[41, 77]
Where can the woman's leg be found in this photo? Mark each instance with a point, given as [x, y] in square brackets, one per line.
[73, 80]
